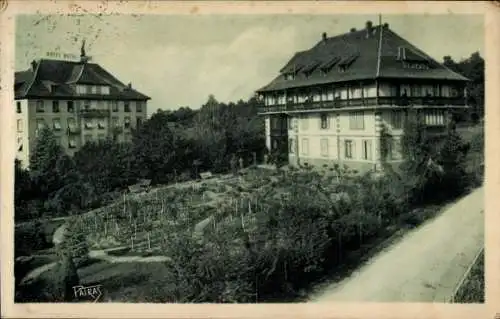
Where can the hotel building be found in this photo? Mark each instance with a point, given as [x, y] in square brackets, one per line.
[78, 100]
[329, 104]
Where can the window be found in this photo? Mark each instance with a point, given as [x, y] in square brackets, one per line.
[101, 124]
[138, 106]
[395, 149]
[357, 120]
[138, 122]
[71, 123]
[89, 124]
[127, 122]
[101, 105]
[396, 119]
[105, 90]
[291, 146]
[416, 90]
[40, 124]
[18, 107]
[126, 106]
[70, 106]
[19, 125]
[367, 149]
[101, 137]
[434, 118]
[275, 145]
[87, 138]
[348, 149]
[324, 147]
[290, 123]
[86, 105]
[114, 106]
[81, 89]
[114, 121]
[56, 123]
[324, 121]
[435, 88]
[274, 123]
[72, 142]
[19, 144]
[55, 106]
[305, 122]
[98, 89]
[93, 89]
[404, 90]
[40, 107]
[305, 146]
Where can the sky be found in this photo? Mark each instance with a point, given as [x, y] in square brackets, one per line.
[179, 60]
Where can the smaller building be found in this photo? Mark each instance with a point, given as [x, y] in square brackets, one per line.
[80, 101]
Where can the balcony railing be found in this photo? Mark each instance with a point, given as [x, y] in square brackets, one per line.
[381, 101]
[94, 113]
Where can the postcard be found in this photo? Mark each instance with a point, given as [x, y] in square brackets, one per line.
[249, 159]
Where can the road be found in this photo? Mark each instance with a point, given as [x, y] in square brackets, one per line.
[424, 266]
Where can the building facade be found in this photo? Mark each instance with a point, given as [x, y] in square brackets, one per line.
[330, 104]
[78, 100]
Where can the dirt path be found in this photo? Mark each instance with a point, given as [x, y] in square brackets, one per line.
[424, 266]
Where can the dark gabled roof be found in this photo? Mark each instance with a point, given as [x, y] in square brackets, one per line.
[56, 78]
[362, 57]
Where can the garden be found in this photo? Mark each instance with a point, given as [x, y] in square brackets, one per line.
[261, 235]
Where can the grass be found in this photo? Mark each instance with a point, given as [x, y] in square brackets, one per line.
[472, 289]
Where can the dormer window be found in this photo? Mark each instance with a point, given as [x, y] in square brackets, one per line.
[289, 76]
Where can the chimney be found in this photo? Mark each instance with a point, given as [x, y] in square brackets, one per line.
[33, 65]
[129, 85]
[324, 36]
[353, 30]
[386, 25]
[369, 28]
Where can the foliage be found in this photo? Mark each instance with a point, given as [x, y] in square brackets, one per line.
[434, 167]
[105, 165]
[472, 68]
[74, 245]
[48, 164]
[452, 158]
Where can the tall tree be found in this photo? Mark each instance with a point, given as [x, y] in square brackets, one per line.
[158, 151]
[48, 163]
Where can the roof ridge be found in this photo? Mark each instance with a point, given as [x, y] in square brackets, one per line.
[379, 53]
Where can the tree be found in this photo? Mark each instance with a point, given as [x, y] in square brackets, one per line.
[22, 192]
[48, 163]
[417, 172]
[452, 158]
[159, 150]
[473, 69]
[105, 165]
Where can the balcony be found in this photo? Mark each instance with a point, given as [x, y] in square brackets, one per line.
[365, 102]
[95, 113]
